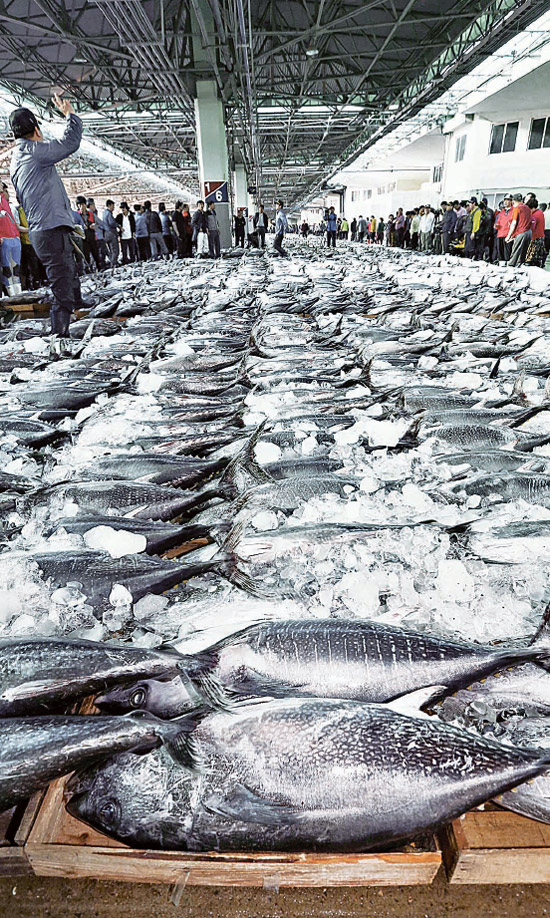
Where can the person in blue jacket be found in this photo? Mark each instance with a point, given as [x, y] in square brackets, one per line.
[44, 200]
[332, 227]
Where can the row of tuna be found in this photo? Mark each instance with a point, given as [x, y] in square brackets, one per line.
[311, 499]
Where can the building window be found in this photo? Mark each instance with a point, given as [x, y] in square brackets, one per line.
[369, 193]
[381, 189]
[438, 173]
[392, 186]
[460, 148]
[355, 196]
[539, 135]
[503, 137]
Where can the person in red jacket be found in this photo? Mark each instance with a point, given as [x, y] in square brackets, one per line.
[502, 226]
[536, 253]
[520, 231]
[10, 245]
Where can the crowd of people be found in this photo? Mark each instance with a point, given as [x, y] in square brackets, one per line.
[516, 233]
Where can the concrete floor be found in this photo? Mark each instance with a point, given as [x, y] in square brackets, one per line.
[49, 898]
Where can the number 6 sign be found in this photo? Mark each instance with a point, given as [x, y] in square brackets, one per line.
[216, 192]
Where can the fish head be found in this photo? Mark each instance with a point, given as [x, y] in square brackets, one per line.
[165, 697]
[130, 797]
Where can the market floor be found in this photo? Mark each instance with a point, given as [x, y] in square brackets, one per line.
[49, 898]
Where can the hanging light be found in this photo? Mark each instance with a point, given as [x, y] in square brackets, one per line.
[312, 51]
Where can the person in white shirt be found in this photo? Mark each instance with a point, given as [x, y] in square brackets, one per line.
[127, 224]
[427, 220]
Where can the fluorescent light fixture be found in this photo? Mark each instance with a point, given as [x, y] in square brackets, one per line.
[312, 52]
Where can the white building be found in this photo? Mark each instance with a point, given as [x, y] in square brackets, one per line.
[502, 144]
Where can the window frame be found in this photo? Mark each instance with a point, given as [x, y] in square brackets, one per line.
[507, 128]
[545, 133]
[460, 148]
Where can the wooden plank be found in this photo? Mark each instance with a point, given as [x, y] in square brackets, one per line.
[59, 845]
[400, 869]
[28, 818]
[505, 865]
[500, 829]
[14, 863]
[495, 846]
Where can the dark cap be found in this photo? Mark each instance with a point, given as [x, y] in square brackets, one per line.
[80, 199]
[23, 122]
[473, 200]
[280, 203]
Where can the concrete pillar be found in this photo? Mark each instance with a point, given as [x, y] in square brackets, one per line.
[242, 197]
[212, 153]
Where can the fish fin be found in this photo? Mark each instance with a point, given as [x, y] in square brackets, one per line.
[233, 538]
[541, 638]
[244, 805]
[518, 395]
[246, 583]
[184, 750]
[200, 670]
[412, 703]
[256, 685]
[494, 369]
[546, 393]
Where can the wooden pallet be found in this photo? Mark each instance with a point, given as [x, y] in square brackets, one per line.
[59, 845]
[495, 846]
[15, 825]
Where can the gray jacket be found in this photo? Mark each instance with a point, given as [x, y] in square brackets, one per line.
[212, 221]
[110, 225]
[39, 188]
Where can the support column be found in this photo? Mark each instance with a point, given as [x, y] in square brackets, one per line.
[212, 153]
[242, 198]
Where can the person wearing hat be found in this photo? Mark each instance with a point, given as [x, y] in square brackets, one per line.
[472, 233]
[281, 227]
[45, 202]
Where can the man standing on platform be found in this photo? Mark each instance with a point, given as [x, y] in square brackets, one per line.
[111, 233]
[260, 225]
[281, 227]
[45, 202]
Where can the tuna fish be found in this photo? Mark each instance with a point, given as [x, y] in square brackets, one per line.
[336, 658]
[300, 774]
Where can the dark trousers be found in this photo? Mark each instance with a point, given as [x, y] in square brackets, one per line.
[239, 237]
[331, 238]
[360, 236]
[144, 249]
[520, 244]
[214, 248]
[474, 247]
[169, 242]
[261, 236]
[90, 248]
[399, 236]
[55, 251]
[31, 273]
[446, 241]
[278, 244]
[103, 253]
[128, 250]
[504, 248]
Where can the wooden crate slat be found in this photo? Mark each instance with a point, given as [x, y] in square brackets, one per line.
[209, 870]
[495, 846]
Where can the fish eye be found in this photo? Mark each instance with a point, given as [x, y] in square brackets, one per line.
[138, 697]
[110, 813]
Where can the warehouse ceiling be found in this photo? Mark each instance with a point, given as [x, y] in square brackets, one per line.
[307, 85]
